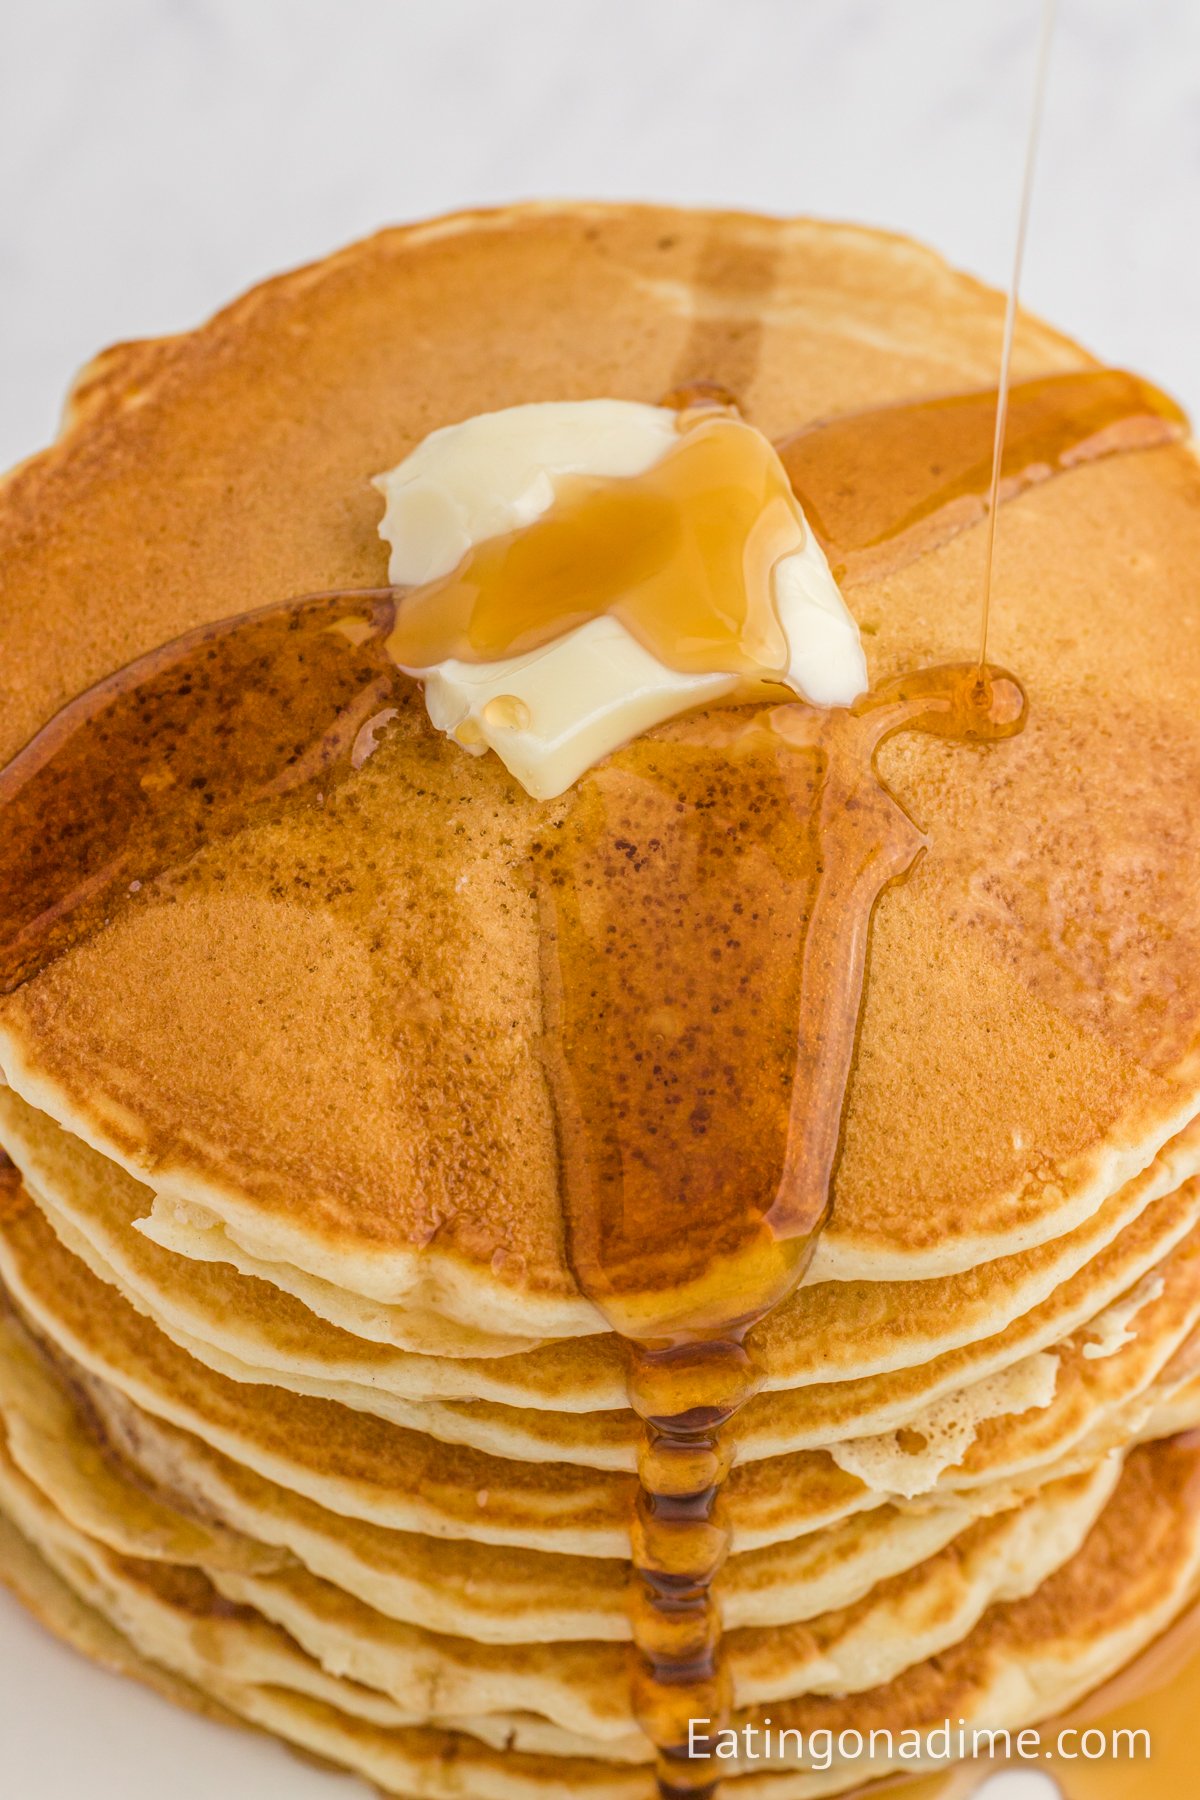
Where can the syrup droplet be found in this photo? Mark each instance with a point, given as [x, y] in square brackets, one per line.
[507, 712]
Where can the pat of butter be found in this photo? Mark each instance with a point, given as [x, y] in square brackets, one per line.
[553, 712]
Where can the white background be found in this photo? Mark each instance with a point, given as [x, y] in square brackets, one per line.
[156, 156]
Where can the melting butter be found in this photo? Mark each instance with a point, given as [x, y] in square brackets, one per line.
[584, 570]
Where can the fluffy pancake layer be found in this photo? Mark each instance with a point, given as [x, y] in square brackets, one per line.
[381, 1591]
[1044, 1599]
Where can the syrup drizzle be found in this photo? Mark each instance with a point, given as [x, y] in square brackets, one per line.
[176, 750]
[182, 746]
[707, 906]
[884, 487]
[1049, 11]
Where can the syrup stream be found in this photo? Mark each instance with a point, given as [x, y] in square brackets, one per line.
[706, 909]
[882, 488]
[1049, 11]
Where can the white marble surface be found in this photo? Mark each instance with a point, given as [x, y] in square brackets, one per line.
[158, 155]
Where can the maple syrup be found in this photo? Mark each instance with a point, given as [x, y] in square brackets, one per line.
[266, 709]
[1159, 1694]
[880, 488]
[1004, 386]
[706, 903]
[178, 749]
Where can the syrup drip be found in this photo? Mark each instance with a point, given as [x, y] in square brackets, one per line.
[706, 912]
[707, 907]
[881, 488]
[176, 750]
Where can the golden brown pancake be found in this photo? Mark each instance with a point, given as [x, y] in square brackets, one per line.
[305, 1417]
[322, 1142]
[939, 1334]
[417, 1677]
[811, 1418]
[1094, 1612]
[1017, 1426]
[58, 1443]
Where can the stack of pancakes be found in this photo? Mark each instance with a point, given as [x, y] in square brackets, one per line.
[304, 1418]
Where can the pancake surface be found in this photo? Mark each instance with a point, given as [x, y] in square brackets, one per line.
[331, 1156]
[305, 1417]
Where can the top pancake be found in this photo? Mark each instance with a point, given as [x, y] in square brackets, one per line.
[292, 1062]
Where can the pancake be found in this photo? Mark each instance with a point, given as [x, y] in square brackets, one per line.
[1085, 1082]
[1094, 1612]
[524, 1597]
[771, 1426]
[250, 1331]
[412, 1676]
[903, 1618]
[305, 1414]
[27, 1575]
[291, 1597]
[1026, 1420]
